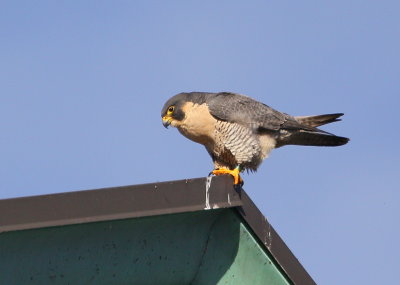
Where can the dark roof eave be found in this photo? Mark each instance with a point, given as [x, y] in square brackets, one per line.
[115, 203]
[148, 200]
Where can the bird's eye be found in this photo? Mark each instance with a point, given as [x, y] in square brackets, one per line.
[171, 109]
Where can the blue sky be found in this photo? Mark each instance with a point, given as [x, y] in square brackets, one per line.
[82, 84]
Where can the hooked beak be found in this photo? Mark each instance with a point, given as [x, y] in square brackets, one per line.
[166, 121]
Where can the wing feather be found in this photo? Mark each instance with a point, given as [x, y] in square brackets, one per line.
[244, 110]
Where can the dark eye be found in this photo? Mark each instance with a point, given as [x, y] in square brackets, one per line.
[171, 109]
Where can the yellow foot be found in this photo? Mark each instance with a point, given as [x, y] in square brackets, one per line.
[235, 173]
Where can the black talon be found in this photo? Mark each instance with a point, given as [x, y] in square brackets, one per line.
[211, 173]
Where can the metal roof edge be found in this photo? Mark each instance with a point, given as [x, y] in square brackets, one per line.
[148, 200]
[273, 242]
[116, 203]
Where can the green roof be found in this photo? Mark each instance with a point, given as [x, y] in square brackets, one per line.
[180, 232]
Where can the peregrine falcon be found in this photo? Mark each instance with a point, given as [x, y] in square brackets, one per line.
[240, 132]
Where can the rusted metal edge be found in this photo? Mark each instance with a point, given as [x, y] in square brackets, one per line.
[117, 203]
[273, 242]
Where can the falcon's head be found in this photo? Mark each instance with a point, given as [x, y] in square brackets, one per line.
[176, 108]
[173, 112]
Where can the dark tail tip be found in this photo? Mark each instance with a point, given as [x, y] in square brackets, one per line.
[314, 139]
[324, 140]
[338, 141]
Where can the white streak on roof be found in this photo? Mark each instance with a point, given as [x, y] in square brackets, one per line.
[208, 185]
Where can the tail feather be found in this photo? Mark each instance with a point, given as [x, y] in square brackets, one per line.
[307, 132]
[314, 139]
[316, 121]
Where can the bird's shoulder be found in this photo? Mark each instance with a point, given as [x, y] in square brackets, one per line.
[244, 110]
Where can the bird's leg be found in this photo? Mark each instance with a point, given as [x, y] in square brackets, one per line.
[237, 180]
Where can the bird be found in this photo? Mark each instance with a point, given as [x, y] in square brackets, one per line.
[239, 132]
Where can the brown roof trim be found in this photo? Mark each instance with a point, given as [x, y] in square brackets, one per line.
[115, 203]
[270, 238]
[148, 200]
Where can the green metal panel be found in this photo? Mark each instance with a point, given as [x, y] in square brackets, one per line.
[250, 264]
[206, 247]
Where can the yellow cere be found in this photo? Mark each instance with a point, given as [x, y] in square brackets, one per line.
[167, 118]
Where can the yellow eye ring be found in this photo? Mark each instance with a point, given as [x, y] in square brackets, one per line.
[171, 109]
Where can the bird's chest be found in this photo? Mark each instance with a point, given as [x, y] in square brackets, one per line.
[198, 125]
[233, 142]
